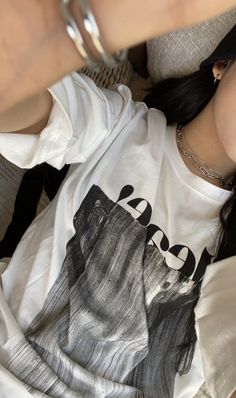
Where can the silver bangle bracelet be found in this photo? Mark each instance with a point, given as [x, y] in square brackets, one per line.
[91, 28]
[74, 33]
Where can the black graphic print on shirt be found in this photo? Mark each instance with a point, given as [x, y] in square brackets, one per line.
[113, 323]
[189, 268]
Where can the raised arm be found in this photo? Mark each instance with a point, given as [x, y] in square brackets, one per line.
[35, 49]
[29, 116]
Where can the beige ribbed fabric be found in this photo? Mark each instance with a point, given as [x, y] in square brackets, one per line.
[179, 53]
[108, 76]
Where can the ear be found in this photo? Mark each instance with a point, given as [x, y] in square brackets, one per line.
[219, 69]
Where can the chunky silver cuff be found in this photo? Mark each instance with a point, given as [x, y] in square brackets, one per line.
[93, 35]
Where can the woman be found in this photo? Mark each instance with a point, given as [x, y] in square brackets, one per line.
[103, 305]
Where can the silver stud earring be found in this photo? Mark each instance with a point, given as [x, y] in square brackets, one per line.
[216, 80]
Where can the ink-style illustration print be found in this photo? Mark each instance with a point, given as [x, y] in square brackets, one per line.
[115, 322]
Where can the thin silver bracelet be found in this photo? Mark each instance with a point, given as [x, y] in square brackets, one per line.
[93, 32]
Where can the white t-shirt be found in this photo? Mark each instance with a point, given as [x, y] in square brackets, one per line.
[99, 293]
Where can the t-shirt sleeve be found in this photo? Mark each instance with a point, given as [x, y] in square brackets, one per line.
[82, 116]
[216, 327]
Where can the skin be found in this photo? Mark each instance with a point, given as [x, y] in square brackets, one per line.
[29, 116]
[212, 134]
[224, 115]
[35, 50]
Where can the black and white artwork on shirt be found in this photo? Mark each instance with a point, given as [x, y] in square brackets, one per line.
[115, 320]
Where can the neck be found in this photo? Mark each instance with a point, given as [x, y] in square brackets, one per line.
[202, 137]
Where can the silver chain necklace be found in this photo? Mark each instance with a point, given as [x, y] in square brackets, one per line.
[206, 171]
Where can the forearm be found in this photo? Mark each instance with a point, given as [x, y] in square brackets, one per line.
[29, 116]
[35, 49]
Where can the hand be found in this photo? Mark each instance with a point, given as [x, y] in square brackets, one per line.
[35, 49]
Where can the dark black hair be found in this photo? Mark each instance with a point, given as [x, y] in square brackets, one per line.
[181, 100]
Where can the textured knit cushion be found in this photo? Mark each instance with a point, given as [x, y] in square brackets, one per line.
[108, 76]
[179, 53]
